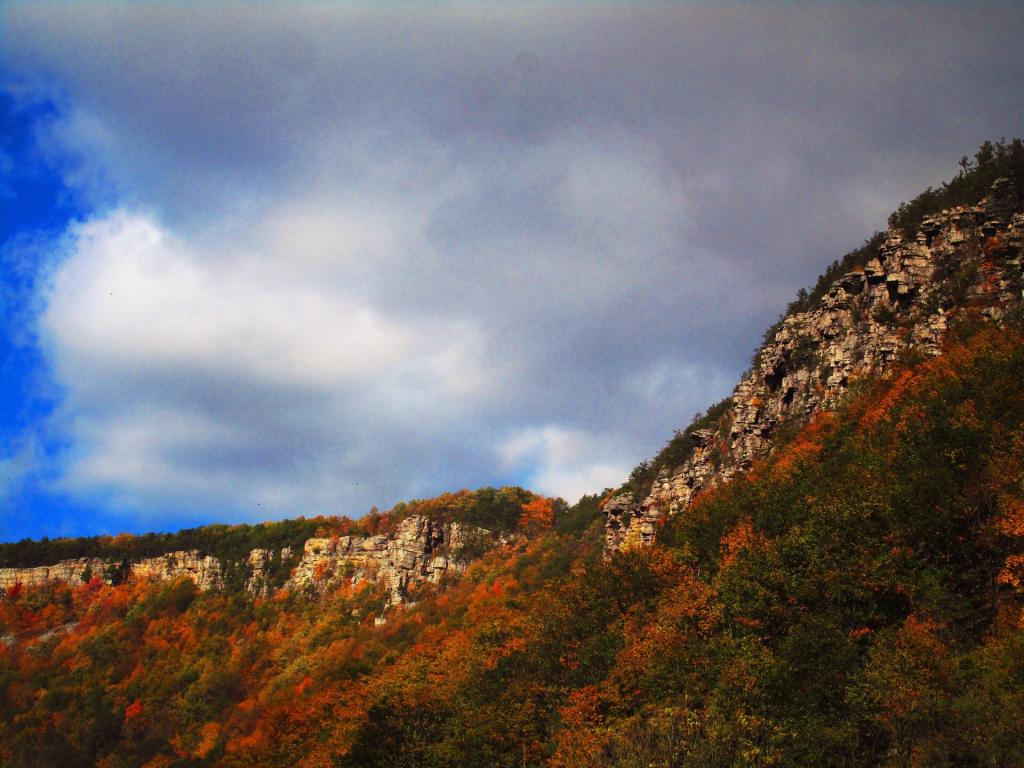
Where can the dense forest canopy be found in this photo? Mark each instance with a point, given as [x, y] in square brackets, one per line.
[856, 600]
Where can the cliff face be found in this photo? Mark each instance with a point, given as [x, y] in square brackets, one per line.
[902, 298]
[419, 550]
[74, 572]
[203, 569]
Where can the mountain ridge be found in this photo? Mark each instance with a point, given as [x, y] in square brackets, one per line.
[902, 297]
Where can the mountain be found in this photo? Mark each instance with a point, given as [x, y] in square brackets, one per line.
[898, 293]
[825, 569]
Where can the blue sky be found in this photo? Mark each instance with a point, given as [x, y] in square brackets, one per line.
[36, 204]
[290, 260]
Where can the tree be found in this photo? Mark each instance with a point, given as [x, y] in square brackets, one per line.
[537, 515]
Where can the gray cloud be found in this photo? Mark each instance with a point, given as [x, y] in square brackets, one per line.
[342, 256]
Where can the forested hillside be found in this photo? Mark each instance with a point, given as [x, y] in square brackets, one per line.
[853, 597]
[855, 600]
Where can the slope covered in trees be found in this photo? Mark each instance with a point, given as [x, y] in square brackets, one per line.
[855, 600]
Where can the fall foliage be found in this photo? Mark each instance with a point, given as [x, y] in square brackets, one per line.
[856, 601]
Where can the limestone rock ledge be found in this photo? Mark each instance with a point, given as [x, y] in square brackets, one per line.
[419, 550]
[71, 571]
[203, 569]
[902, 298]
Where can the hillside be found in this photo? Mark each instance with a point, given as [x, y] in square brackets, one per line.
[825, 569]
[855, 599]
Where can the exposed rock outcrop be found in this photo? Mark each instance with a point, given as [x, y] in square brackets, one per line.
[420, 549]
[259, 564]
[903, 297]
[204, 570]
[74, 572]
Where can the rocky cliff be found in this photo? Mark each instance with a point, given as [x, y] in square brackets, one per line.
[418, 550]
[74, 572]
[203, 569]
[967, 259]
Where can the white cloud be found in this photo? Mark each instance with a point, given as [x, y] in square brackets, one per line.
[564, 462]
[170, 356]
[129, 294]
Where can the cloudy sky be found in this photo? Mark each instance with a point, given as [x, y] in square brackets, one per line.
[275, 261]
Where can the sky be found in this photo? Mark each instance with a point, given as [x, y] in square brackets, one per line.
[266, 261]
